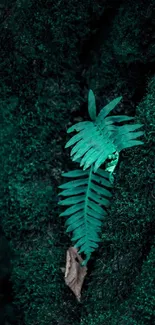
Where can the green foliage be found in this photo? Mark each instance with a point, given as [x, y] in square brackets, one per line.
[96, 142]
[91, 105]
[98, 139]
[86, 212]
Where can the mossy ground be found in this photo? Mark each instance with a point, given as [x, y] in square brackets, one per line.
[52, 52]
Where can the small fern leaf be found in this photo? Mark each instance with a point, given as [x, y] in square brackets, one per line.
[72, 191]
[118, 119]
[72, 209]
[98, 199]
[79, 126]
[101, 180]
[88, 198]
[84, 147]
[126, 129]
[77, 137]
[124, 145]
[75, 173]
[72, 200]
[108, 108]
[97, 215]
[88, 162]
[91, 105]
[103, 174]
[73, 183]
[75, 225]
[73, 218]
[100, 190]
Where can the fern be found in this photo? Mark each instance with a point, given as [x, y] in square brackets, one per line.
[86, 195]
[101, 138]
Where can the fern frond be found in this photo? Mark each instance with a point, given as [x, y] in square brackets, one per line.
[88, 197]
[100, 138]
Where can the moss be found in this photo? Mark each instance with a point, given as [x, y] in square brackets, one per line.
[44, 81]
[39, 288]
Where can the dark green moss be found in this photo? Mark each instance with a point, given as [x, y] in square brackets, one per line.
[52, 52]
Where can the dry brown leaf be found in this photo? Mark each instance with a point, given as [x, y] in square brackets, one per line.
[74, 272]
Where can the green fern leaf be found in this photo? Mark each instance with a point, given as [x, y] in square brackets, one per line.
[108, 108]
[88, 198]
[99, 139]
[91, 105]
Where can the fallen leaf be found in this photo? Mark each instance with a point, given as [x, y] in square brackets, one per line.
[74, 272]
